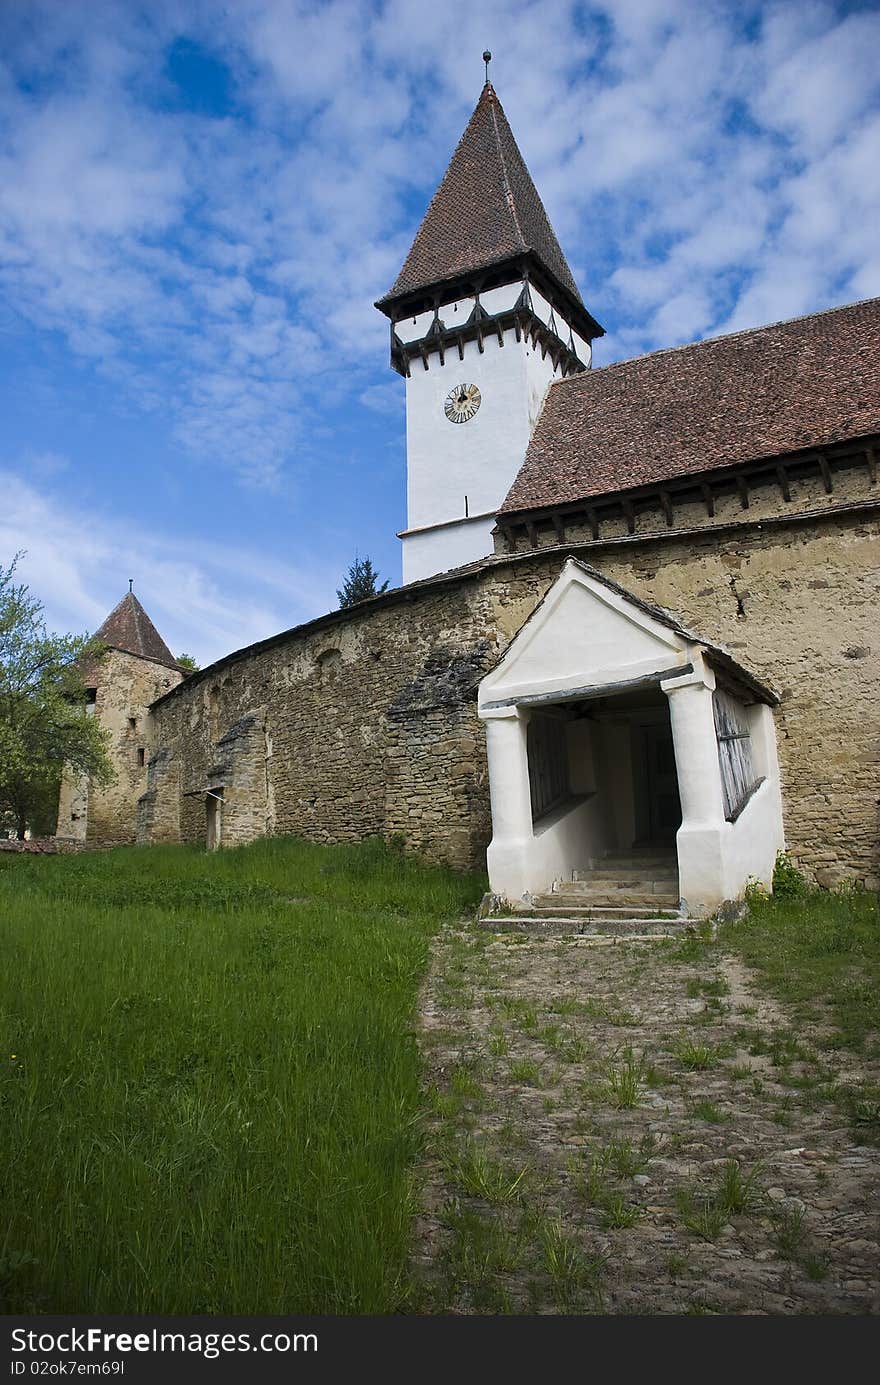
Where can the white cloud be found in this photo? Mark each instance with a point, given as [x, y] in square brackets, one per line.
[205, 599]
[705, 166]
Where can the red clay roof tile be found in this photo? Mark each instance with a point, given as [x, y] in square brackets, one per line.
[129, 628]
[485, 210]
[795, 385]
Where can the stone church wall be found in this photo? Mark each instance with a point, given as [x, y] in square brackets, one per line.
[365, 722]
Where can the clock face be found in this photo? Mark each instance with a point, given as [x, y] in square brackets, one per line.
[462, 403]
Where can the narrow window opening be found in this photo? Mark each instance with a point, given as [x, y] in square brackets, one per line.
[547, 746]
[214, 818]
[141, 757]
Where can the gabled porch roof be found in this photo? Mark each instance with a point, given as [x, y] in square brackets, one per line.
[589, 635]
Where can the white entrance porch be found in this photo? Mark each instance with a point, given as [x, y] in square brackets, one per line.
[611, 727]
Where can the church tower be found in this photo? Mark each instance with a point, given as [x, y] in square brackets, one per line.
[485, 314]
[134, 667]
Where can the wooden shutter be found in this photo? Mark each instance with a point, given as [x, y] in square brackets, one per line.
[738, 777]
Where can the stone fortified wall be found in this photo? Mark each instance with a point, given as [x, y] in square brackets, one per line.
[365, 721]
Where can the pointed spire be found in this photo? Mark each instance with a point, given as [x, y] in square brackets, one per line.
[485, 211]
[129, 628]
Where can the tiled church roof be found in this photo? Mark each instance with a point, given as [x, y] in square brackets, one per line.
[485, 210]
[129, 628]
[795, 385]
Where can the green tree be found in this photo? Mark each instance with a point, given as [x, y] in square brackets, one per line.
[360, 584]
[45, 724]
[187, 662]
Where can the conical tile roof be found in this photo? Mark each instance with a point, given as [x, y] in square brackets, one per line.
[129, 628]
[486, 210]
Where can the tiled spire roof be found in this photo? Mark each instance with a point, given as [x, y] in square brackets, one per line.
[486, 210]
[129, 628]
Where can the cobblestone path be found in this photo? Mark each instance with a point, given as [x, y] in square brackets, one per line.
[635, 1128]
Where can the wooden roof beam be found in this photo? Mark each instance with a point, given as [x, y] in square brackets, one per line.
[782, 478]
[666, 503]
[742, 486]
[826, 472]
[871, 459]
[708, 498]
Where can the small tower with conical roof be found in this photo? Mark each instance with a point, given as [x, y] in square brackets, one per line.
[485, 314]
[135, 667]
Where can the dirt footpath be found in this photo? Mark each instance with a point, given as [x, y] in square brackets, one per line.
[635, 1128]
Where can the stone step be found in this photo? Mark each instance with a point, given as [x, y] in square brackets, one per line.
[627, 873]
[542, 908]
[630, 899]
[575, 925]
[645, 885]
[625, 859]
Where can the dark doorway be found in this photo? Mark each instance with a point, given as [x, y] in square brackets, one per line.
[664, 805]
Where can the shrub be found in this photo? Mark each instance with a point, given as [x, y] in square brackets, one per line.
[788, 882]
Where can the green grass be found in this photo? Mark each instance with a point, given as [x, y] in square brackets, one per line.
[475, 1172]
[525, 1071]
[707, 1110]
[575, 1276]
[215, 1100]
[623, 1084]
[698, 1057]
[789, 1232]
[821, 954]
[736, 1194]
[618, 1214]
[704, 1216]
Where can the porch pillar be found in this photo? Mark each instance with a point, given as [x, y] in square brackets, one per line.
[507, 754]
[699, 839]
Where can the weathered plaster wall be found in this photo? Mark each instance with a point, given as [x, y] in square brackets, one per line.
[369, 724]
[126, 685]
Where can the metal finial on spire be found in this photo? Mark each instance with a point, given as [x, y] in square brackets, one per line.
[130, 583]
[487, 58]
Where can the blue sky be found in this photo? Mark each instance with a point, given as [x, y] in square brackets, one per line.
[199, 202]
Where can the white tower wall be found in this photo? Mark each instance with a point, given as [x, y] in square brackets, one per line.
[459, 473]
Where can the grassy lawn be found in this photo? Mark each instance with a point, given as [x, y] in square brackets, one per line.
[821, 955]
[209, 1083]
